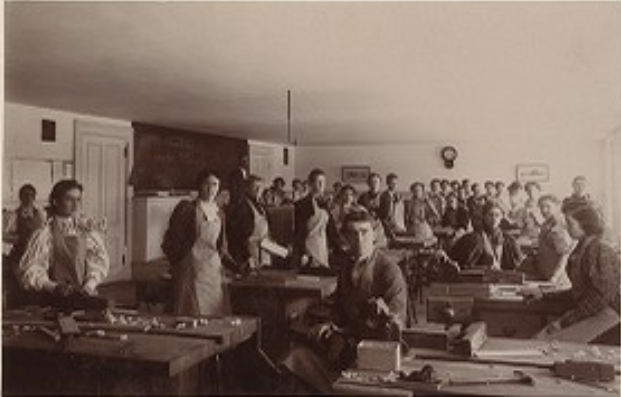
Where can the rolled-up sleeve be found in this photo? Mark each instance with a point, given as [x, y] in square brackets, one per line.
[34, 266]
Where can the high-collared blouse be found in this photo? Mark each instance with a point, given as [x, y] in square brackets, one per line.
[34, 267]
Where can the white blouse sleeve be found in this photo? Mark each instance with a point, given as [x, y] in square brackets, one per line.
[97, 260]
[33, 268]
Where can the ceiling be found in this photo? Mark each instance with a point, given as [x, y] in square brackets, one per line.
[359, 72]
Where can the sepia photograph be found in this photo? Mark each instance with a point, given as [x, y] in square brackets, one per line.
[311, 198]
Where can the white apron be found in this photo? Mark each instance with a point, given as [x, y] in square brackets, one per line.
[201, 291]
[417, 222]
[260, 232]
[398, 216]
[68, 257]
[316, 240]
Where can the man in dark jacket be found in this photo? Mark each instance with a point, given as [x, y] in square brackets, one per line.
[388, 202]
[247, 226]
[368, 283]
[237, 180]
[315, 233]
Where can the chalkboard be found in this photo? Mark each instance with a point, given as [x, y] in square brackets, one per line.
[167, 159]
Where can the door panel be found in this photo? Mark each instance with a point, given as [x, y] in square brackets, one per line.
[102, 167]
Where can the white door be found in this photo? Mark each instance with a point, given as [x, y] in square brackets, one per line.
[103, 155]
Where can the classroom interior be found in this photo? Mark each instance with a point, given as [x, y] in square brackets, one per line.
[217, 165]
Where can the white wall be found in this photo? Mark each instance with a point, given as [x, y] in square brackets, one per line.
[22, 142]
[152, 214]
[22, 131]
[479, 161]
[266, 161]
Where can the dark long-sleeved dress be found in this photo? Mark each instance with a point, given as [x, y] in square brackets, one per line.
[593, 269]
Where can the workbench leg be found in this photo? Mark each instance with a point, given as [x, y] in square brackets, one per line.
[187, 383]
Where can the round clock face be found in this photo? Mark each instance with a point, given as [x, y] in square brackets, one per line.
[449, 153]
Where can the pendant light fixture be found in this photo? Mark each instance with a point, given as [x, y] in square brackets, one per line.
[290, 139]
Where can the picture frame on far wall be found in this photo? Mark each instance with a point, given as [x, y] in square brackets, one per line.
[355, 173]
[532, 172]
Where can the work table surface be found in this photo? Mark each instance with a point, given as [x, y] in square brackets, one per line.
[499, 358]
[165, 349]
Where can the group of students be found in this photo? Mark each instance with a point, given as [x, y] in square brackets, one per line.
[64, 252]
[202, 237]
[571, 251]
[487, 229]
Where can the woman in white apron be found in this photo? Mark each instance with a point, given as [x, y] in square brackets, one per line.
[68, 252]
[419, 214]
[195, 244]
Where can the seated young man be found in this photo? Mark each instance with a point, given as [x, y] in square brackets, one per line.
[488, 246]
[369, 283]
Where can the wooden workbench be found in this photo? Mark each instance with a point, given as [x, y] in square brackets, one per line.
[505, 316]
[514, 317]
[150, 363]
[499, 359]
[161, 361]
[277, 297]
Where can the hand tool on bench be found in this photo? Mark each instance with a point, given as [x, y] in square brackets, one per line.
[427, 374]
[424, 380]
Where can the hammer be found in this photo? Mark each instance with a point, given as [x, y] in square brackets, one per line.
[519, 378]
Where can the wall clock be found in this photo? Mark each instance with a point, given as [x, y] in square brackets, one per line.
[449, 154]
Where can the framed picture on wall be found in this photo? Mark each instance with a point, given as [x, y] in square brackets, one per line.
[533, 172]
[355, 173]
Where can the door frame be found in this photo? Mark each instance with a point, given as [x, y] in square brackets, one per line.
[89, 128]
